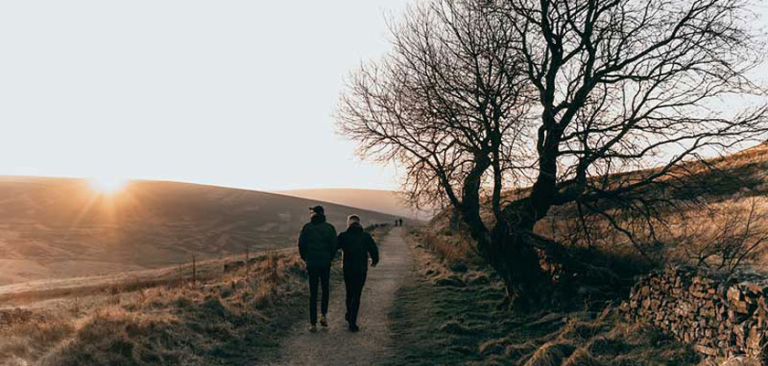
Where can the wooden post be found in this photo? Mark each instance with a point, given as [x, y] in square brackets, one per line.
[194, 270]
[181, 276]
[247, 264]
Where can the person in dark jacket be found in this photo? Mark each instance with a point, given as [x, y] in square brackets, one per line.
[357, 246]
[317, 247]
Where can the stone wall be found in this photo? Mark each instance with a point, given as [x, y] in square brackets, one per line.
[717, 315]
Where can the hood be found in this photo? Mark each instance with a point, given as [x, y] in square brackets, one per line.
[355, 228]
[318, 219]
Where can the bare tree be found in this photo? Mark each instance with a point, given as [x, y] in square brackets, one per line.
[446, 104]
[601, 104]
[628, 85]
[725, 237]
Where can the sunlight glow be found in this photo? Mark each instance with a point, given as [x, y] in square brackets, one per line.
[107, 185]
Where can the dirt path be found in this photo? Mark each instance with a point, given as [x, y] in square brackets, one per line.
[336, 345]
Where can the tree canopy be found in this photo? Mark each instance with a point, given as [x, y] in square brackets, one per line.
[564, 97]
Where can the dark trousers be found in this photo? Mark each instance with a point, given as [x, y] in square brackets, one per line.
[354, 282]
[322, 274]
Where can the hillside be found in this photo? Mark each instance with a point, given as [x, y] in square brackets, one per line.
[55, 227]
[369, 199]
[219, 312]
[726, 184]
[447, 313]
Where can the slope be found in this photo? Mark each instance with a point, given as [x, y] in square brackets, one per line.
[369, 199]
[55, 227]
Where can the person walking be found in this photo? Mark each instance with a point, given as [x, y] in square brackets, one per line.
[356, 246]
[317, 247]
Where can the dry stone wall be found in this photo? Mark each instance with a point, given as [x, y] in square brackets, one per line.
[717, 315]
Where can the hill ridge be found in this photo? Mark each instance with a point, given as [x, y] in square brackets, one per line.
[59, 227]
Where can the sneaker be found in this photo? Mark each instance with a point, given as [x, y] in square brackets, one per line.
[323, 321]
[353, 328]
[313, 328]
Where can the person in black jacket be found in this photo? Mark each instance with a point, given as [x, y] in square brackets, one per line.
[317, 247]
[356, 246]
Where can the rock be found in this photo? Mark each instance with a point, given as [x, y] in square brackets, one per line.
[716, 316]
[709, 351]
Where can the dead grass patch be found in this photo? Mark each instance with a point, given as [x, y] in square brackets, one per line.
[234, 317]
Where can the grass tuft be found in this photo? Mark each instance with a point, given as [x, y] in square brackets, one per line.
[551, 354]
[236, 317]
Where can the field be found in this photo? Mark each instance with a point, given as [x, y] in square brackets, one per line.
[54, 228]
[217, 311]
[388, 202]
[226, 313]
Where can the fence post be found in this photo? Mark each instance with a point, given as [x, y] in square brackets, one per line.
[247, 264]
[194, 270]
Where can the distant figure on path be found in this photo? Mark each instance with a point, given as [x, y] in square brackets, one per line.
[317, 247]
[356, 246]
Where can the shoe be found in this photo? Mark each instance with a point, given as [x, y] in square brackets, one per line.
[313, 328]
[354, 328]
[323, 321]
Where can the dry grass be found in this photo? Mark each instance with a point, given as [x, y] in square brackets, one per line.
[454, 249]
[234, 317]
[232, 314]
[447, 316]
[21, 344]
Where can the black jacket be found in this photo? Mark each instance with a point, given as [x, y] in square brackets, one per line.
[317, 242]
[357, 245]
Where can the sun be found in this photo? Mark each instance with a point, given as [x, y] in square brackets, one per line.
[107, 184]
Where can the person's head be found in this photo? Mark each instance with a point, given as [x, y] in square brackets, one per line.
[317, 210]
[351, 219]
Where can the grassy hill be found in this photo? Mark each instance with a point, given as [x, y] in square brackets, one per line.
[446, 313]
[370, 199]
[218, 312]
[55, 227]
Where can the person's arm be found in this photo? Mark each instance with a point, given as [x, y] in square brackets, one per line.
[333, 242]
[303, 245]
[373, 250]
[340, 248]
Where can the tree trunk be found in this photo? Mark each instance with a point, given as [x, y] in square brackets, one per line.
[513, 251]
[508, 247]
[455, 223]
[517, 261]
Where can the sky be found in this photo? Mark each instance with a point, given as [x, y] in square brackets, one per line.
[231, 93]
